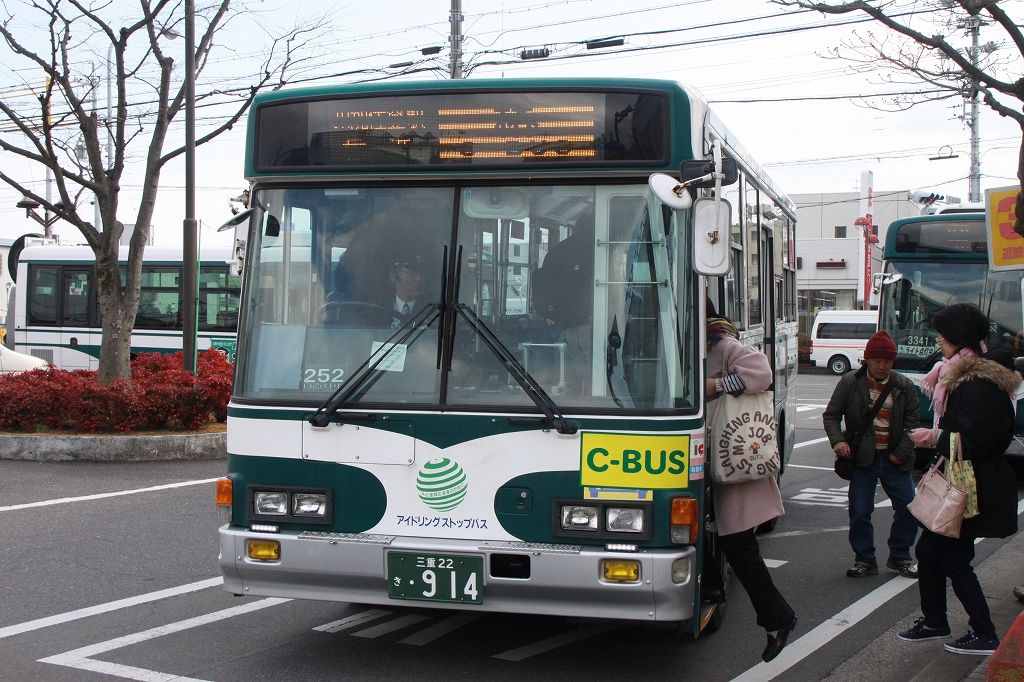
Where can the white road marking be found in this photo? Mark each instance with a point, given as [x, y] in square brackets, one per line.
[549, 643]
[826, 631]
[833, 627]
[774, 563]
[391, 626]
[450, 624]
[82, 658]
[69, 616]
[796, 533]
[810, 442]
[353, 621]
[825, 497]
[100, 496]
[808, 466]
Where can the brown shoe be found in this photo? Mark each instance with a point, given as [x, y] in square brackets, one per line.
[904, 567]
[861, 569]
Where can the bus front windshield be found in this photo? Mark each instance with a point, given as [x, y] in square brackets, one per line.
[912, 291]
[441, 289]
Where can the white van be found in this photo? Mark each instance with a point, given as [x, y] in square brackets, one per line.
[838, 338]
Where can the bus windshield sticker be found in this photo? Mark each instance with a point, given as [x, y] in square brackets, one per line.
[394, 359]
[628, 460]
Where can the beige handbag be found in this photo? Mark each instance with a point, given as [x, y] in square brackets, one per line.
[961, 474]
[939, 505]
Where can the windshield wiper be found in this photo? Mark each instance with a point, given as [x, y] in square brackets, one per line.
[552, 413]
[368, 369]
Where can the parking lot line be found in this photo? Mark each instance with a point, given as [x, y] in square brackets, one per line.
[81, 658]
[100, 496]
[69, 616]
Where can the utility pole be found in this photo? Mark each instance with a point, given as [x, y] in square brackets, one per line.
[190, 243]
[455, 39]
[974, 192]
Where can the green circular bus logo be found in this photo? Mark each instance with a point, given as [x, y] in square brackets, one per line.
[441, 484]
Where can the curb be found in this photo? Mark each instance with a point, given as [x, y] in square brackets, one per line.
[1008, 661]
[113, 448]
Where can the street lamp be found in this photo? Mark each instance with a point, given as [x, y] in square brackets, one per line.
[30, 205]
[865, 224]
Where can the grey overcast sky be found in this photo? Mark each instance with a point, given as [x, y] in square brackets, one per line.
[760, 65]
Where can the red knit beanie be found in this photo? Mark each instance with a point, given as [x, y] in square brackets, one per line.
[880, 347]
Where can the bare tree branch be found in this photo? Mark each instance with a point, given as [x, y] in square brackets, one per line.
[932, 59]
[61, 117]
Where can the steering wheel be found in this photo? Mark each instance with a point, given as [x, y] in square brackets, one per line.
[355, 314]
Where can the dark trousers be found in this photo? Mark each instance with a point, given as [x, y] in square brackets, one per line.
[899, 486]
[938, 558]
[744, 555]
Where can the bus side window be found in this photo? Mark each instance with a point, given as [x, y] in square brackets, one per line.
[42, 295]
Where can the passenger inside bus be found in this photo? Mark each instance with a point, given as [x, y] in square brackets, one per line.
[563, 294]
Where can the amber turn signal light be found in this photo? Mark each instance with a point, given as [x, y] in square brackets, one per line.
[224, 492]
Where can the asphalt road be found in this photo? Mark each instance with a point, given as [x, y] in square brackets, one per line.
[109, 571]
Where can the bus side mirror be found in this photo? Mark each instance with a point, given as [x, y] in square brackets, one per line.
[240, 223]
[699, 173]
[876, 288]
[711, 219]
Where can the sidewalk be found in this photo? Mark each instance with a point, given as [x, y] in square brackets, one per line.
[888, 659]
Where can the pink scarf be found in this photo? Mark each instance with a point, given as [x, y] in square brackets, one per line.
[933, 383]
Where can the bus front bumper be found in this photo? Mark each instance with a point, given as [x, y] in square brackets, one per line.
[559, 580]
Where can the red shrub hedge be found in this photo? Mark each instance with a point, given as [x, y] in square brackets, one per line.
[160, 395]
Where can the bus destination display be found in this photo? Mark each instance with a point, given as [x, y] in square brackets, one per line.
[569, 128]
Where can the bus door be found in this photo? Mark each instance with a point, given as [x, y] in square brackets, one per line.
[79, 337]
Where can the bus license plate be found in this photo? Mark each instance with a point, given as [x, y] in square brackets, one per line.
[436, 577]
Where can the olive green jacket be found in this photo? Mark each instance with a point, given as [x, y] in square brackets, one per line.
[850, 402]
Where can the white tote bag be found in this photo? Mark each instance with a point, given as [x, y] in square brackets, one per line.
[742, 437]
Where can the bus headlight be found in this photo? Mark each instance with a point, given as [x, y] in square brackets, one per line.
[291, 505]
[577, 517]
[271, 503]
[309, 504]
[624, 519]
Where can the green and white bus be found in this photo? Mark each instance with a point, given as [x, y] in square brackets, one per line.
[529, 437]
[931, 261]
[56, 312]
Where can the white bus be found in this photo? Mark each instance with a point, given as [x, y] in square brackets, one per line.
[56, 308]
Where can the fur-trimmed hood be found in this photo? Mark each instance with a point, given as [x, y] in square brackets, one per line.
[981, 368]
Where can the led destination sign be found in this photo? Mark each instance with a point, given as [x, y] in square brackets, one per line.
[509, 128]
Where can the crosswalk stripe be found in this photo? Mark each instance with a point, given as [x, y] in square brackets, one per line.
[390, 626]
[355, 620]
[450, 624]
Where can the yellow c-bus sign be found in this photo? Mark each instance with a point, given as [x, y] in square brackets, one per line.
[1005, 247]
[629, 460]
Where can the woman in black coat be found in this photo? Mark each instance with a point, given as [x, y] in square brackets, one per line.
[979, 409]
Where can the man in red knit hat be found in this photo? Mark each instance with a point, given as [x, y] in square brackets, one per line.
[879, 407]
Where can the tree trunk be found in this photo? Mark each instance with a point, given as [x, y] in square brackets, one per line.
[117, 316]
